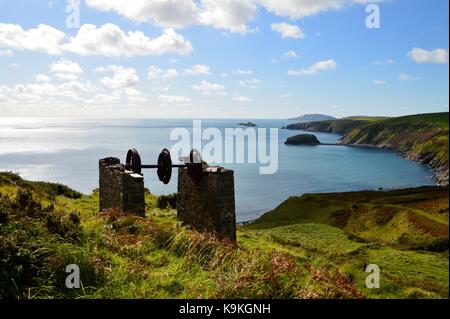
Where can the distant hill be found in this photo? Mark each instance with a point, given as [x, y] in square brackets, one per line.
[422, 137]
[313, 118]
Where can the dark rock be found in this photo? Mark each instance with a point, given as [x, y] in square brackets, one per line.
[303, 139]
[250, 124]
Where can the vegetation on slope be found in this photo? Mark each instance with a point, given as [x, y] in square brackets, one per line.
[121, 256]
[422, 137]
[405, 232]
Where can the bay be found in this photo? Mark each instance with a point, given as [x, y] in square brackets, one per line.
[67, 151]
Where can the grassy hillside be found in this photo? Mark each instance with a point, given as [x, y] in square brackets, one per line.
[405, 232]
[304, 249]
[422, 137]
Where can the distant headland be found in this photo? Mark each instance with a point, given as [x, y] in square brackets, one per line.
[313, 118]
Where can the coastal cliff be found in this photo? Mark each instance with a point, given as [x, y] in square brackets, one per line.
[422, 138]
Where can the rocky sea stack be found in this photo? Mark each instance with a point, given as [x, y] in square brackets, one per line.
[250, 124]
[302, 139]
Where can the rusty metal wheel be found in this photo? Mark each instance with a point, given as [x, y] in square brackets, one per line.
[133, 161]
[165, 166]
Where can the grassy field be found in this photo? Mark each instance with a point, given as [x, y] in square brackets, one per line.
[315, 246]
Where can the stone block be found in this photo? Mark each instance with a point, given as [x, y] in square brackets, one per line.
[120, 188]
[208, 206]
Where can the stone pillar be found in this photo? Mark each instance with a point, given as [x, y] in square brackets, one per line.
[208, 206]
[120, 188]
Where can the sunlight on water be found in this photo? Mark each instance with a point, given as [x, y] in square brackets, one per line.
[67, 151]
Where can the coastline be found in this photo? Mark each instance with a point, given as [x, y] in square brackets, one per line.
[423, 150]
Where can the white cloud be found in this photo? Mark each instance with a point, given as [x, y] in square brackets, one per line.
[406, 77]
[66, 66]
[107, 40]
[79, 87]
[161, 89]
[291, 55]
[230, 15]
[6, 53]
[110, 40]
[379, 82]
[316, 68]
[296, 9]
[165, 13]
[252, 83]
[242, 99]
[425, 56]
[44, 94]
[122, 78]
[208, 88]
[42, 78]
[156, 73]
[67, 76]
[288, 30]
[44, 38]
[66, 70]
[384, 62]
[243, 72]
[198, 69]
[174, 99]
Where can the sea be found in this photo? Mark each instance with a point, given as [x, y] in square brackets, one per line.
[67, 151]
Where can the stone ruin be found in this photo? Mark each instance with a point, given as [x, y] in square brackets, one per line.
[207, 205]
[120, 188]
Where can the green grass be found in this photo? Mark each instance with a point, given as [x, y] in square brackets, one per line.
[315, 246]
[403, 218]
[438, 119]
[367, 118]
[404, 232]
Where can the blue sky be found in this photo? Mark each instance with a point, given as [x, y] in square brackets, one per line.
[223, 58]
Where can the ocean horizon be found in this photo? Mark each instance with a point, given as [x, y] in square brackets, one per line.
[67, 151]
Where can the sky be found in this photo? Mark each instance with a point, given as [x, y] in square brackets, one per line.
[222, 58]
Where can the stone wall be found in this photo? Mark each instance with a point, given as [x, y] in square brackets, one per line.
[208, 206]
[120, 188]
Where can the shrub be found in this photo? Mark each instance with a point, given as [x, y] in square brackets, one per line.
[65, 226]
[167, 201]
[53, 189]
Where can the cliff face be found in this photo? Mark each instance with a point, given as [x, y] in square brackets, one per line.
[422, 138]
[335, 126]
